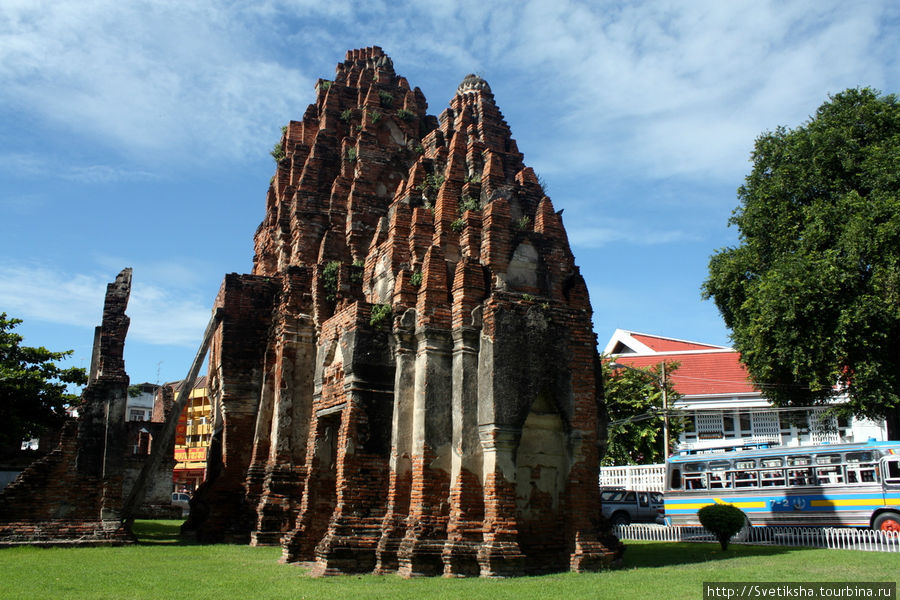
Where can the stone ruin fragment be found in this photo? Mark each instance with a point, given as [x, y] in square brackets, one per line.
[408, 380]
[74, 495]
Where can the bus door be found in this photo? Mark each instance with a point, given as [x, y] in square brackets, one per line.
[890, 477]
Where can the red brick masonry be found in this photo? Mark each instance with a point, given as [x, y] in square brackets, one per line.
[407, 382]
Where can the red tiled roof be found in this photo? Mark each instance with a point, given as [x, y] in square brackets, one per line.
[700, 373]
[661, 344]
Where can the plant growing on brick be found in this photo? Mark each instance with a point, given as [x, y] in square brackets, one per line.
[375, 116]
[346, 114]
[523, 223]
[277, 152]
[385, 98]
[330, 279]
[415, 279]
[326, 85]
[458, 225]
[351, 155]
[722, 520]
[469, 203]
[380, 316]
[405, 115]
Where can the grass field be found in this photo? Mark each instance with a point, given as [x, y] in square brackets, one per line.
[161, 567]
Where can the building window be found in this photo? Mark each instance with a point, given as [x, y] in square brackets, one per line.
[136, 414]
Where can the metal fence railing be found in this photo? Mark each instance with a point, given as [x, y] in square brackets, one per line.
[808, 537]
[644, 478]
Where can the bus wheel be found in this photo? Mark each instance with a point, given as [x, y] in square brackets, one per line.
[888, 522]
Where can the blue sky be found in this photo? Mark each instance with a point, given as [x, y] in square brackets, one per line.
[138, 134]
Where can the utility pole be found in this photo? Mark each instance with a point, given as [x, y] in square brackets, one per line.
[665, 406]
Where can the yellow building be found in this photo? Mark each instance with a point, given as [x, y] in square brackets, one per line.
[192, 438]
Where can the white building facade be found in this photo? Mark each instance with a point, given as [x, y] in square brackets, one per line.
[719, 404]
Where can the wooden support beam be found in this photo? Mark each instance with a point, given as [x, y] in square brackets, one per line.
[162, 442]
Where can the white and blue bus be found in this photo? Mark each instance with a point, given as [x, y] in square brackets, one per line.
[856, 485]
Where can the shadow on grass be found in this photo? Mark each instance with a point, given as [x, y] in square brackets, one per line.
[160, 532]
[666, 554]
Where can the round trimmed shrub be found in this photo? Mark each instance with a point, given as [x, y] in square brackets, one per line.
[723, 521]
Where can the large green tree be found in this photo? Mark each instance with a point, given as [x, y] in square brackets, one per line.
[633, 402]
[812, 291]
[33, 389]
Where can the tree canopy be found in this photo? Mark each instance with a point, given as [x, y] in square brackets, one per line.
[812, 291]
[633, 401]
[33, 394]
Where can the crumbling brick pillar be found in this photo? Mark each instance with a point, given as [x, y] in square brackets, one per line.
[288, 432]
[500, 554]
[394, 525]
[464, 535]
[421, 551]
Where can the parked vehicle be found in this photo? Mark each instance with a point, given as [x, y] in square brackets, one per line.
[826, 485]
[622, 507]
[182, 500]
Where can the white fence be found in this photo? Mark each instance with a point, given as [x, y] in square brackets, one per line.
[643, 478]
[809, 537]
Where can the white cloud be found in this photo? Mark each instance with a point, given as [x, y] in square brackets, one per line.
[657, 89]
[18, 164]
[160, 314]
[623, 232]
[146, 78]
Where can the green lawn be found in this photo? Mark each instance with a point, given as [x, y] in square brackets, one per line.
[161, 567]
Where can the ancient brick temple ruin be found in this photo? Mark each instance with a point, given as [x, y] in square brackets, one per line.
[408, 380]
[75, 493]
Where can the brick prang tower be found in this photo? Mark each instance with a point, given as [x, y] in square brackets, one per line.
[408, 381]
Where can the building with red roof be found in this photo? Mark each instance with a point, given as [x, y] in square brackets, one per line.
[720, 403]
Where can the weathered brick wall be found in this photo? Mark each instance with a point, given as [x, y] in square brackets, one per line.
[75, 492]
[408, 380]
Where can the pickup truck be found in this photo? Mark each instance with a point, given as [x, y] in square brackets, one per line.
[622, 507]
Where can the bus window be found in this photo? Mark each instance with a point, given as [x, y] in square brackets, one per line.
[694, 481]
[829, 475]
[828, 459]
[675, 479]
[696, 467]
[743, 465]
[719, 465]
[859, 457]
[892, 471]
[771, 477]
[746, 478]
[771, 462]
[799, 461]
[860, 468]
[799, 476]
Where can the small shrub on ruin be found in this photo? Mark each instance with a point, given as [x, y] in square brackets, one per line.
[374, 116]
[723, 521]
[523, 223]
[458, 224]
[351, 154]
[415, 279]
[469, 203]
[380, 316]
[330, 279]
[405, 115]
[346, 115]
[277, 152]
[385, 98]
